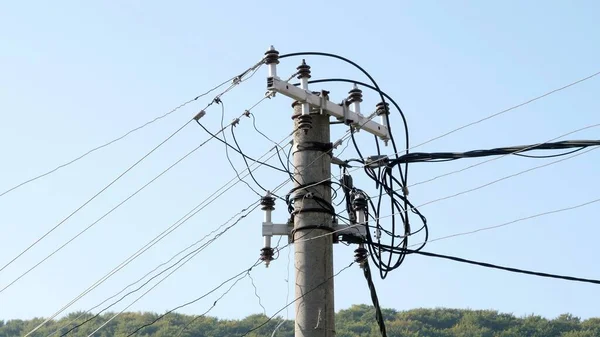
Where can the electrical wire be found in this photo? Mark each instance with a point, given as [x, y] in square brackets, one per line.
[237, 145]
[205, 203]
[107, 213]
[241, 153]
[179, 307]
[91, 199]
[152, 271]
[295, 300]
[235, 83]
[507, 177]
[193, 252]
[555, 211]
[227, 150]
[254, 68]
[256, 292]
[416, 157]
[495, 266]
[214, 304]
[505, 155]
[508, 109]
[378, 315]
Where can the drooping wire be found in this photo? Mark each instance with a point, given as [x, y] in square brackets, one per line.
[295, 300]
[108, 213]
[245, 271]
[91, 199]
[178, 262]
[152, 271]
[227, 149]
[205, 203]
[254, 68]
[174, 270]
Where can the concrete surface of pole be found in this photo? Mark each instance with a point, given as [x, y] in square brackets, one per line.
[313, 258]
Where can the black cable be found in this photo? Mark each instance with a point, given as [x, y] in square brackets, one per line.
[193, 301]
[294, 301]
[381, 93]
[494, 266]
[239, 149]
[415, 157]
[378, 315]
[218, 101]
[372, 81]
[549, 156]
[242, 154]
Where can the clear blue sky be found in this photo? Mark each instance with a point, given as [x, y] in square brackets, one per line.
[74, 75]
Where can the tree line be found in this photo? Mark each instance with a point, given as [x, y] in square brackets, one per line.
[357, 321]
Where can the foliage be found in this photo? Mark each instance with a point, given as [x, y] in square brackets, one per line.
[358, 321]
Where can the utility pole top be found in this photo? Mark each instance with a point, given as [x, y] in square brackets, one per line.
[350, 115]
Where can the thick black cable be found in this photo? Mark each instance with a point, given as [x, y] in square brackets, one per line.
[550, 155]
[494, 266]
[396, 105]
[294, 301]
[378, 315]
[513, 150]
[194, 300]
[370, 78]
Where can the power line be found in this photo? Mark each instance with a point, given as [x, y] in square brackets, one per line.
[92, 198]
[214, 303]
[517, 220]
[378, 315]
[193, 253]
[235, 83]
[107, 213]
[192, 301]
[206, 202]
[495, 266]
[254, 68]
[506, 177]
[496, 158]
[509, 109]
[154, 286]
[152, 271]
[295, 300]
[416, 157]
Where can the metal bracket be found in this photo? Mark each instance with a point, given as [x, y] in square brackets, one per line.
[273, 229]
[331, 108]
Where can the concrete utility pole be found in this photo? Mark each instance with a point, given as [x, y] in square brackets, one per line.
[313, 211]
[313, 258]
